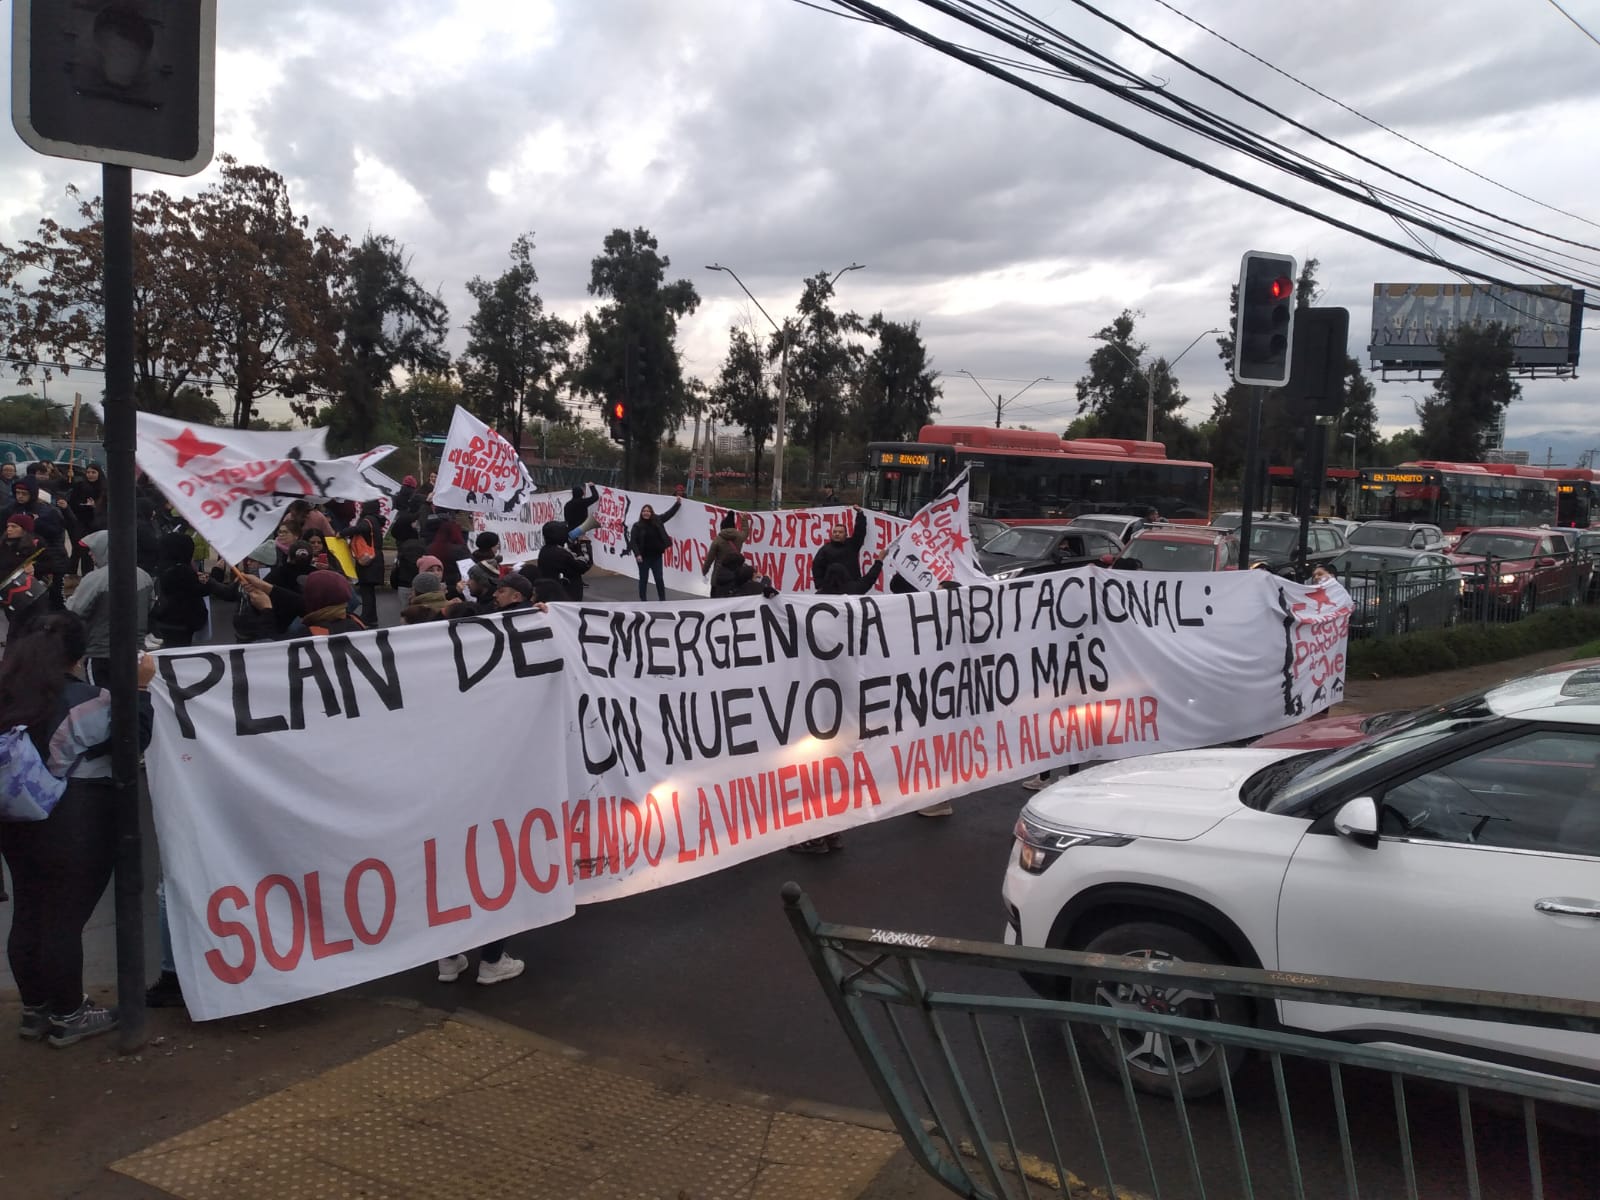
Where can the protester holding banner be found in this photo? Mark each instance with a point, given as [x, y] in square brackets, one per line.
[843, 550]
[327, 596]
[61, 865]
[576, 510]
[557, 561]
[649, 542]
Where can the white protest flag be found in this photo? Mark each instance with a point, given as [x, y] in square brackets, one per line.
[480, 471]
[936, 545]
[682, 738]
[234, 485]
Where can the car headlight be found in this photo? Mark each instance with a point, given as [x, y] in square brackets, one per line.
[1508, 579]
[1011, 574]
[1041, 843]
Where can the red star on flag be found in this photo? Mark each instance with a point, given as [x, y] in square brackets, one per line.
[958, 541]
[1320, 595]
[188, 447]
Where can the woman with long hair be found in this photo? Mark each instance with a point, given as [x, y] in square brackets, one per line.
[61, 865]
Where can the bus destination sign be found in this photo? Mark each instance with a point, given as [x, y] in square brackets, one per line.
[896, 458]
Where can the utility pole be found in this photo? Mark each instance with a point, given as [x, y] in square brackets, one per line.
[1000, 402]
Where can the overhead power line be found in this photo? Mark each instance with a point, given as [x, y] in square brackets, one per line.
[1251, 145]
[1575, 21]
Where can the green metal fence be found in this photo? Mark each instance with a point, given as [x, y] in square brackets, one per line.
[1394, 602]
[990, 1087]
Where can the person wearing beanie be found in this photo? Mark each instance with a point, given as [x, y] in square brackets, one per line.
[729, 541]
[557, 561]
[447, 545]
[487, 541]
[26, 500]
[406, 496]
[369, 575]
[92, 602]
[427, 591]
[180, 610]
[327, 596]
[431, 563]
[17, 547]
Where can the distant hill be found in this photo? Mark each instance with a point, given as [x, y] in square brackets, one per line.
[1563, 446]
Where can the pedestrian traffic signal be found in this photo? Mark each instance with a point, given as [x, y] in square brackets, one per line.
[130, 82]
[619, 421]
[1263, 330]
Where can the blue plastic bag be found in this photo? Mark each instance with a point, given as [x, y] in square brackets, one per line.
[28, 791]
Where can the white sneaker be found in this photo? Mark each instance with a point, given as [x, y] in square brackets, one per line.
[450, 968]
[1036, 784]
[500, 971]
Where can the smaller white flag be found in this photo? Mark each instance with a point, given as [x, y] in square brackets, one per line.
[480, 470]
[936, 545]
[234, 485]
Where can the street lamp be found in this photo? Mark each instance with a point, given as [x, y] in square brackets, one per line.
[1352, 438]
[1150, 379]
[1000, 402]
[783, 385]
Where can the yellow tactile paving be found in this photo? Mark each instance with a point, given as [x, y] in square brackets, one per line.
[463, 1110]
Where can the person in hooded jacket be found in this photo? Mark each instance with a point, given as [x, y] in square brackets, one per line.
[648, 542]
[327, 596]
[250, 624]
[92, 603]
[576, 510]
[408, 548]
[24, 599]
[27, 500]
[427, 591]
[87, 499]
[557, 561]
[370, 575]
[146, 537]
[180, 609]
[730, 540]
[839, 583]
[448, 544]
[52, 527]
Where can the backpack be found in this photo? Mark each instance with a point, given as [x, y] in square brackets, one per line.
[361, 550]
[28, 791]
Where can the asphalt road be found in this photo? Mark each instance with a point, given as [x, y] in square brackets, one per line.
[707, 978]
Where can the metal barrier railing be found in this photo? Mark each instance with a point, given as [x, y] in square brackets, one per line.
[1393, 602]
[988, 1085]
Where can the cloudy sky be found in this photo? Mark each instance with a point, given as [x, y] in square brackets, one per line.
[781, 141]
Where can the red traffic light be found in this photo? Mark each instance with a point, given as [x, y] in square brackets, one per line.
[619, 411]
[1282, 286]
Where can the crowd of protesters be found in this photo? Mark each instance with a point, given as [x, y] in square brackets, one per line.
[318, 576]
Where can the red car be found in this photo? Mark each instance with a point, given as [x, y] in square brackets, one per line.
[1183, 548]
[1516, 570]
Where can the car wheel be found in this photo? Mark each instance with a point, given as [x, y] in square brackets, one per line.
[1402, 621]
[1154, 1064]
[1528, 603]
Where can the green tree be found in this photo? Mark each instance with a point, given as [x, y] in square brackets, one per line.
[896, 394]
[425, 403]
[188, 403]
[1405, 446]
[630, 352]
[1118, 387]
[823, 365]
[388, 323]
[1456, 423]
[32, 415]
[517, 353]
[741, 397]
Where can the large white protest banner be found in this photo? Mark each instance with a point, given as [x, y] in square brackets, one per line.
[304, 851]
[234, 485]
[480, 471]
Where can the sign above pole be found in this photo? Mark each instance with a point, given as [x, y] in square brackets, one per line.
[126, 82]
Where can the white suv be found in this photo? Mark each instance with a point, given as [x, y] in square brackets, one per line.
[1459, 848]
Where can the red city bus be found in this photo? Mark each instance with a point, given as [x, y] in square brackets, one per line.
[1576, 491]
[1457, 496]
[1021, 475]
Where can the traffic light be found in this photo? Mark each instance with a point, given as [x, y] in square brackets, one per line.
[1263, 333]
[619, 421]
[129, 82]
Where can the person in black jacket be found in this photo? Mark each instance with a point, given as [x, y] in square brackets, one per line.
[557, 561]
[838, 582]
[61, 865]
[180, 608]
[842, 550]
[408, 548]
[577, 509]
[250, 624]
[649, 542]
[146, 537]
[370, 575]
[87, 497]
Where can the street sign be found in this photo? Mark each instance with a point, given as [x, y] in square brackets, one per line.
[126, 82]
[1321, 350]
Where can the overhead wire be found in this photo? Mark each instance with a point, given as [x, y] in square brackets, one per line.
[1575, 21]
[907, 29]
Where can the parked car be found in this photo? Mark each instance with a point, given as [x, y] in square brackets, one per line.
[1232, 520]
[1119, 527]
[1515, 570]
[985, 530]
[1275, 544]
[1397, 533]
[1458, 847]
[1035, 549]
[1182, 548]
[1422, 588]
[1589, 547]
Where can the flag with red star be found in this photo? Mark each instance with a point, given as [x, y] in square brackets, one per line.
[234, 485]
[936, 546]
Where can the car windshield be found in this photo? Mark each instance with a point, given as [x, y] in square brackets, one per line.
[1589, 541]
[1228, 520]
[1355, 561]
[1496, 545]
[1111, 525]
[1380, 535]
[1155, 554]
[1023, 543]
[1274, 539]
[1282, 786]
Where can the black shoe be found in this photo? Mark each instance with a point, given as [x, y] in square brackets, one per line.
[813, 846]
[165, 992]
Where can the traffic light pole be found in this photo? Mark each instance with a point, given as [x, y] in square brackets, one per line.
[1252, 451]
[120, 424]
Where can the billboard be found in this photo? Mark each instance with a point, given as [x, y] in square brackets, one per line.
[1410, 319]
